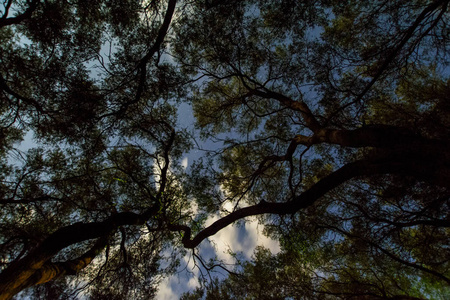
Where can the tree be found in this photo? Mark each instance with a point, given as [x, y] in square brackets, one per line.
[333, 118]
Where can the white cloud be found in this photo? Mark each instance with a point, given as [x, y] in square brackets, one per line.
[184, 162]
[165, 291]
[242, 239]
[183, 281]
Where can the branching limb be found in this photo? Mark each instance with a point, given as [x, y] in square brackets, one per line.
[50, 271]
[13, 277]
[393, 54]
[5, 21]
[4, 87]
[383, 163]
[306, 199]
[142, 66]
[395, 257]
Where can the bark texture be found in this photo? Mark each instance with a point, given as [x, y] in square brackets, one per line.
[37, 268]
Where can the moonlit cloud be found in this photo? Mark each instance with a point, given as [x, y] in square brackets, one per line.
[184, 162]
[242, 239]
[165, 291]
[235, 239]
[173, 286]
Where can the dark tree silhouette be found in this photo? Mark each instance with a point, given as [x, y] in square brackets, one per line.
[331, 122]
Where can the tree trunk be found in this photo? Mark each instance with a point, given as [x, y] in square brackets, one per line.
[36, 267]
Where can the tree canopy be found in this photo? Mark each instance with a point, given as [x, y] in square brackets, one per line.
[330, 122]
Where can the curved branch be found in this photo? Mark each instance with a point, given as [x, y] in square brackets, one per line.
[306, 199]
[18, 273]
[409, 33]
[394, 256]
[391, 56]
[380, 136]
[29, 200]
[4, 87]
[142, 64]
[50, 271]
[4, 21]
[162, 31]
[156, 47]
[415, 162]
[300, 106]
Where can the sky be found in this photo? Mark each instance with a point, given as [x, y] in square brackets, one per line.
[235, 239]
[232, 239]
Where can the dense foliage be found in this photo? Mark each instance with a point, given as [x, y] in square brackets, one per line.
[330, 120]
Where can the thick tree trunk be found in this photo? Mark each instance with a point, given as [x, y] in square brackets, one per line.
[50, 271]
[393, 151]
[36, 267]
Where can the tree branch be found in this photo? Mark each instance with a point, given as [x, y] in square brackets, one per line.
[380, 136]
[393, 256]
[156, 47]
[50, 271]
[300, 106]
[306, 199]
[19, 272]
[391, 56]
[426, 166]
[7, 89]
[4, 21]
[142, 65]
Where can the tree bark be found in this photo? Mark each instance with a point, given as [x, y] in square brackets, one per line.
[426, 166]
[50, 271]
[36, 266]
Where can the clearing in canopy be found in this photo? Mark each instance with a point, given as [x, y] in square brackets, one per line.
[328, 121]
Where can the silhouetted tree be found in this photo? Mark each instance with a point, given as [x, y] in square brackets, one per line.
[333, 125]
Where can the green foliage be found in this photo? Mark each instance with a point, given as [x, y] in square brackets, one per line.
[327, 119]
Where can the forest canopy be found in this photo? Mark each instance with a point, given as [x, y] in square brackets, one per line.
[327, 120]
